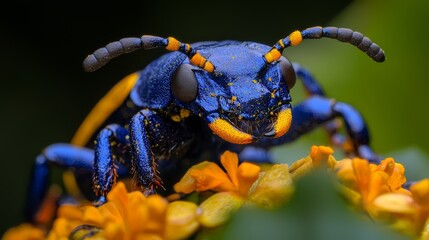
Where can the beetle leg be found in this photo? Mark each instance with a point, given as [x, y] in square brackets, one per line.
[62, 155]
[318, 110]
[155, 137]
[313, 88]
[111, 143]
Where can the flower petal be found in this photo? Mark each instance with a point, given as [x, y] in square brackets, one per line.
[248, 173]
[92, 216]
[420, 191]
[118, 193]
[188, 183]
[301, 167]
[181, 220]
[395, 203]
[218, 208]
[322, 155]
[273, 187]
[24, 231]
[229, 161]
[395, 171]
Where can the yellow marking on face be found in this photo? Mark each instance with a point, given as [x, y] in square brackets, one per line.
[229, 133]
[102, 110]
[233, 99]
[173, 44]
[295, 38]
[272, 55]
[184, 113]
[283, 122]
[213, 94]
[229, 84]
[176, 118]
[254, 81]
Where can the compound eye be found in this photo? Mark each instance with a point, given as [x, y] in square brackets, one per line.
[184, 84]
[288, 72]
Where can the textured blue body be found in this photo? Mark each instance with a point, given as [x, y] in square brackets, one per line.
[243, 90]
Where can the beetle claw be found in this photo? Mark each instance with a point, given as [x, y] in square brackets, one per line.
[100, 201]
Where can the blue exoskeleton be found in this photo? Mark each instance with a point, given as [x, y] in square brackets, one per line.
[193, 103]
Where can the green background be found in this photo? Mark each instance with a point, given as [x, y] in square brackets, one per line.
[45, 94]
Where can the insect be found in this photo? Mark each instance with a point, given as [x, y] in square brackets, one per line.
[196, 100]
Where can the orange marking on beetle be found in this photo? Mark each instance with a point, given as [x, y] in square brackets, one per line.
[272, 55]
[295, 38]
[209, 67]
[102, 110]
[173, 44]
[283, 122]
[229, 133]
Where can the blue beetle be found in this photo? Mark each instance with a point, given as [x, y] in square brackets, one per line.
[193, 103]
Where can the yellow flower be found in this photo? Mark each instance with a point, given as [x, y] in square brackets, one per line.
[209, 176]
[319, 155]
[378, 190]
[366, 181]
[241, 183]
[24, 231]
[129, 216]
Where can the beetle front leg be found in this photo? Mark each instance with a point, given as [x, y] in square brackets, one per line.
[155, 137]
[316, 111]
[111, 143]
[143, 162]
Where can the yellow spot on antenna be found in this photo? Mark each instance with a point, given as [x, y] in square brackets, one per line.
[272, 55]
[173, 44]
[295, 38]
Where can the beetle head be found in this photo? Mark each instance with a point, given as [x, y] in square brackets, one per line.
[244, 99]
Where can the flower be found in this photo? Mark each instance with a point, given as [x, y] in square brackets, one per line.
[128, 216]
[241, 183]
[369, 180]
[376, 189]
[24, 231]
[319, 156]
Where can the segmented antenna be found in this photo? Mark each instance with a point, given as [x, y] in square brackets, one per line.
[342, 34]
[103, 55]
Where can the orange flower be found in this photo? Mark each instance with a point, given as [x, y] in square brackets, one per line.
[24, 231]
[319, 155]
[129, 216]
[244, 183]
[370, 180]
[209, 176]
